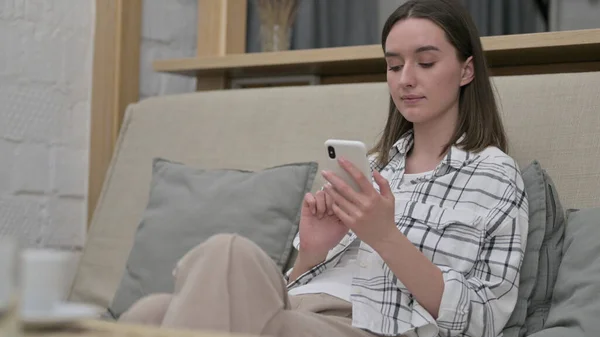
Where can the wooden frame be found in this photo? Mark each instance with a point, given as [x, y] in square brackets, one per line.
[115, 83]
[221, 31]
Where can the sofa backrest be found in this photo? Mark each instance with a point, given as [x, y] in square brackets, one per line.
[552, 118]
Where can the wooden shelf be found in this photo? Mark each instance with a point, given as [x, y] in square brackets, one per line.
[306, 61]
[503, 52]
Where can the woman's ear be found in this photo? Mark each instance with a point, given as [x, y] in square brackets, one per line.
[468, 72]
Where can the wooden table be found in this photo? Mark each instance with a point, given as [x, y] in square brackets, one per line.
[95, 328]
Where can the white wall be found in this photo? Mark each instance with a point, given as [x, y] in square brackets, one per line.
[168, 31]
[574, 14]
[46, 49]
[45, 79]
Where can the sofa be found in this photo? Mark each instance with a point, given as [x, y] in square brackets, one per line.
[553, 126]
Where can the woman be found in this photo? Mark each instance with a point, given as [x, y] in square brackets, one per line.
[434, 246]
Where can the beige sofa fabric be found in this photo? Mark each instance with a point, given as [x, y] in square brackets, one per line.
[552, 118]
[556, 120]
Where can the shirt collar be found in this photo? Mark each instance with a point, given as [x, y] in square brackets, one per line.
[455, 158]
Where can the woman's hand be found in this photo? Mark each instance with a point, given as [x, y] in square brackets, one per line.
[320, 228]
[368, 213]
[320, 231]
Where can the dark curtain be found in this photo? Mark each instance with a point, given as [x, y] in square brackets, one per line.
[504, 17]
[335, 23]
[324, 23]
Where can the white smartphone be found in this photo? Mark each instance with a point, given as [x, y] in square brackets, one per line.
[352, 150]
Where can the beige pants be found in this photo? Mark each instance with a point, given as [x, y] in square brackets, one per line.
[233, 286]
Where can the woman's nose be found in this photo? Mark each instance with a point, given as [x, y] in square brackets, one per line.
[407, 76]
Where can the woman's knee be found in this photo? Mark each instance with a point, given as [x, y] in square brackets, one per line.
[149, 310]
[221, 244]
[220, 241]
[212, 245]
[236, 246]
[214, 248]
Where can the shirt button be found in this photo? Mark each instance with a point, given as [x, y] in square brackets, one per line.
[362, 264]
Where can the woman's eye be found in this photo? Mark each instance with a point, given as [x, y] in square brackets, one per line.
[426, 65]
[395, 68]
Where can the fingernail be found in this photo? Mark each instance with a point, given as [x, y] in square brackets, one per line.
[324, 173]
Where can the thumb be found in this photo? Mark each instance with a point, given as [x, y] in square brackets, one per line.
[384, 186]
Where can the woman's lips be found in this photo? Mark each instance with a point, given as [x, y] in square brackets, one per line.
[412, 99]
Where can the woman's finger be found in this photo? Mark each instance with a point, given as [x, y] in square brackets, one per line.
[384, 185]
[340, 201]
[321, 206]
[342, 215]
[310, 202]
[363, 183]
[342, 188]
[329, 204]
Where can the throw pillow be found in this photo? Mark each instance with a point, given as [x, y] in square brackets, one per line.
[542, 253]
[575, 305]
[186, 206]
[549, 261]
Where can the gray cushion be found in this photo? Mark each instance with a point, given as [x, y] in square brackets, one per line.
[186, 206]
[575, 309]
[550, 258]
[542, 253]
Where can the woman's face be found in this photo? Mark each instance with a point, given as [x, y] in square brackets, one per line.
[424, 74]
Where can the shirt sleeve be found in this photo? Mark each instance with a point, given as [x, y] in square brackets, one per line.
[481, 302]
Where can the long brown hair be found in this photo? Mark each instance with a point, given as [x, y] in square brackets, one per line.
[478, 116]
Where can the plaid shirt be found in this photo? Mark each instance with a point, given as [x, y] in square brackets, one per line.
[470, 218]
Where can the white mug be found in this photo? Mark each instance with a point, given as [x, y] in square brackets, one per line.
[43, 274]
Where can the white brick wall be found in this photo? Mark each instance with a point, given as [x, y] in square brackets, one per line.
[168, 31]
[46, 49]
[45, 82]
